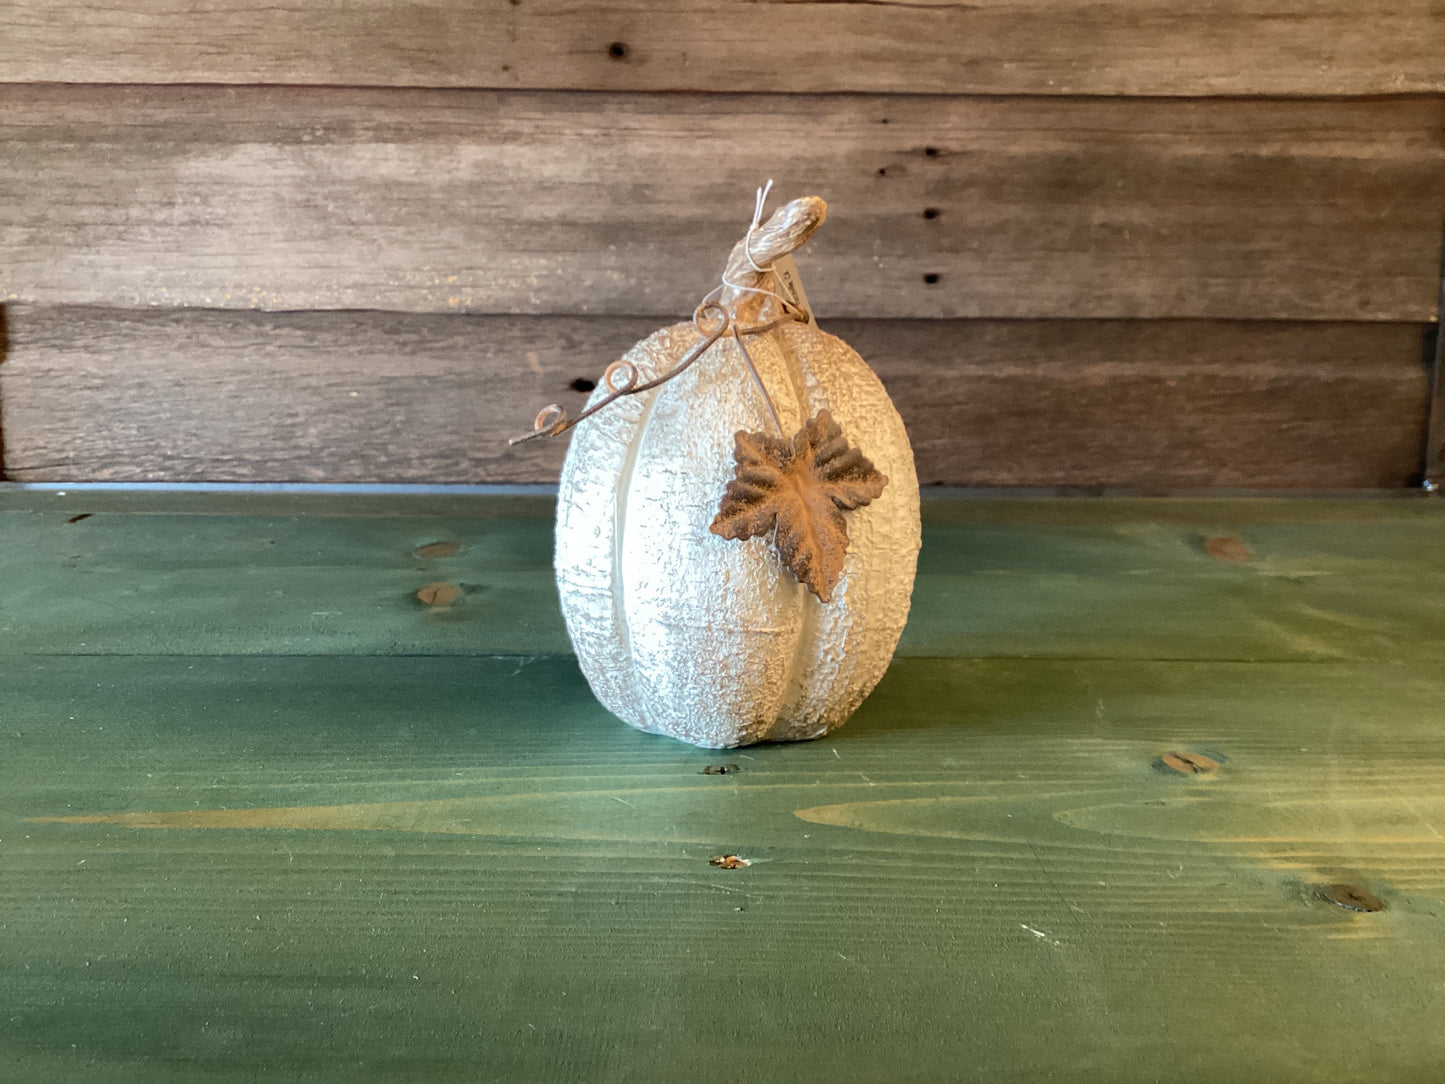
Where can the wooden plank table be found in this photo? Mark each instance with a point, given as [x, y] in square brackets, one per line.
[264, 814]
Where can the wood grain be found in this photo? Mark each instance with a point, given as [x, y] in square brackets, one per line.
[369, 869]
[1117, 47]
[283, 855]
[131, 395]
[197, 574]
[526, 202]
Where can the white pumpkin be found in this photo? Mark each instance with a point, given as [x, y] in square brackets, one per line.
[712, 641]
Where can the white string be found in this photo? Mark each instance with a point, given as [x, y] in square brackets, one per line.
[758, 204]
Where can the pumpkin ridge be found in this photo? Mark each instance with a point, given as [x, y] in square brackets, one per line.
[619, 524]
[801, 674]
[792, 367]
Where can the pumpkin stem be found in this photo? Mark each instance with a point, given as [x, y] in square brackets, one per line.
[740, 298]
[784, 233]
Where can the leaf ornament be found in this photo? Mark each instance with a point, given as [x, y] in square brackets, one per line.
[802, 486]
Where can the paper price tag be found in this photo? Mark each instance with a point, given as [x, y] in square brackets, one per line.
[790, 285]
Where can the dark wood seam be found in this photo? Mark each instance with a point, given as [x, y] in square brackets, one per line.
[1432, 464]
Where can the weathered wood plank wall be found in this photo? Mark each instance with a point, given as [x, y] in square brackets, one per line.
[352, 397]
[1139, 243]
[483, 201]
[1108, 47]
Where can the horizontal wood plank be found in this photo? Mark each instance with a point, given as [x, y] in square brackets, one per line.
[353, 869]
[1068, 578]
[527, 202]
[220, 395]
[325, 858]
[1153, 47]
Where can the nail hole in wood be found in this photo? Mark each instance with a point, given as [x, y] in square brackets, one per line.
[932, 278]
[882, 171]
[582, 384]
[932, 152]
[931, 212]
[618, 50]
[728, 861]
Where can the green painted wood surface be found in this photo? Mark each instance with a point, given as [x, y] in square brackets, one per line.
[1064, 578]
[403, 849]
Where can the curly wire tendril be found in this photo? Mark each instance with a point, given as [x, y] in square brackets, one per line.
[621, 377]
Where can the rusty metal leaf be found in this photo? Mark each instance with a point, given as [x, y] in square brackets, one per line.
[799, 489]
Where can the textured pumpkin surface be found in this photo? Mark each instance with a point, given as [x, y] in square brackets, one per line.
[684, 633]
